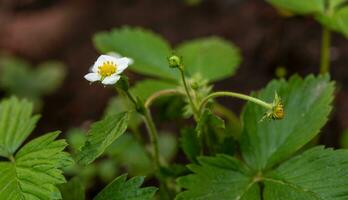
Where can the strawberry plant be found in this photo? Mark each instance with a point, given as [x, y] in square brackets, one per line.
[263, 154]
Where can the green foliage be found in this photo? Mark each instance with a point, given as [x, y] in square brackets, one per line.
[221, 177]
[16, 123]
[73, 190]
[307, 106]
[35, 170]
[120, 189]
[330, 13]
[145, 88]
[300, 7]
[102, 134]
[315, 174]
[318, 173]
[212, 57]
[130, 155]
[217, 139]
[190, 144]
[19, 78]
[148, 50]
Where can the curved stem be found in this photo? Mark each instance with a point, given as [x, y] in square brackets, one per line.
[325, 51]
[235, 95]
[153, 136]
[159, 94]
[194, 108]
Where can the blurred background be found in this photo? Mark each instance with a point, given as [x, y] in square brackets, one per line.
[58, 34]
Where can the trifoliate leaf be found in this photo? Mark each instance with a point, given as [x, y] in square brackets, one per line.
[221, 177]
[120, 189]
[73, 190]
[35, 170]
[300, 7]
[316, 174]
[213, 58]
[148, 50]
[147, 87]
[101, 135]
[16, 123]
[306, 105]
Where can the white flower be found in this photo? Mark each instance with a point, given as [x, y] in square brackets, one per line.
[107, 69]
[117, 55]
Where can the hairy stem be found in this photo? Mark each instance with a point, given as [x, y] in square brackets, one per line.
[151, 128]
[159, 94]
[193, 106]
[235, 95]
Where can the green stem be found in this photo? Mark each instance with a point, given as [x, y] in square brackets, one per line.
[130, 96]
[194, 108]
[235, 95]
[151, 128]
[325, 51]
[159, 94]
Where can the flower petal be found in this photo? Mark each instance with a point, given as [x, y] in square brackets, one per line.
[122, 64]
[114, 54]
[92, 77]
[110, 80]
[101, 59]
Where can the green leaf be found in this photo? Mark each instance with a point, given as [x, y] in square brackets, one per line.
[35, 170]
[73, 190]
[334, 4]
[147, 87]
[190, 144]
[341, 18]
[16, 123]
[102, 134]
[222, 177]
[337, 22]
[300, 7]
[316, 174]
[148, 50]
[307, 104]
[119, 104]
[214, 134]
[120, 189]
[76, 138]
[212, 57]
[19, 78]
[130, 155]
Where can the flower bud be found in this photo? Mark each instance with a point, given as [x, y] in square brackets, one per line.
[175, 61]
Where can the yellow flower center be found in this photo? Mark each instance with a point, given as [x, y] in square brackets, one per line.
[107, 69]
